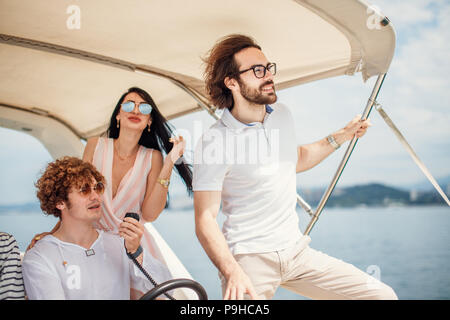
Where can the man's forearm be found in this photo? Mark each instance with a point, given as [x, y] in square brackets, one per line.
[312, 154]
[215, 245]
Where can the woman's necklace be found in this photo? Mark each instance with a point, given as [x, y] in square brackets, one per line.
[120, 157]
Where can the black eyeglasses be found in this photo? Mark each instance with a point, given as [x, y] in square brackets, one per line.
[260, 71]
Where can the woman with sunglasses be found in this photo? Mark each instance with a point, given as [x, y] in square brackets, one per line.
[130, 157]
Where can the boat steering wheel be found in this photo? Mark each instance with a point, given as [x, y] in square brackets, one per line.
[175, 284]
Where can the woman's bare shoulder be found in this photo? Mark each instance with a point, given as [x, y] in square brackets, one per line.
[89, 149]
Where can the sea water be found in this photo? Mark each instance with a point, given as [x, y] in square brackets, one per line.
[408, 248]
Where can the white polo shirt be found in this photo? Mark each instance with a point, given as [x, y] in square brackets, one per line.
[254, 165]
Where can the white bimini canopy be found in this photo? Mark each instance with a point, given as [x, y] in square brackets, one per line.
[70, 61]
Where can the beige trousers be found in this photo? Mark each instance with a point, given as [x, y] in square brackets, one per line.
[309, 273]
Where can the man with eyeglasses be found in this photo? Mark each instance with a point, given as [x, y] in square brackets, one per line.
[78, 261]
[247, 162]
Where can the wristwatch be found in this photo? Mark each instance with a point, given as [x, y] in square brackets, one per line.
[333, 142]
[164, 182]
[136, 254]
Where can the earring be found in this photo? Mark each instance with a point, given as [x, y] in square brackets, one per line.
[118, 123]
[148, 128]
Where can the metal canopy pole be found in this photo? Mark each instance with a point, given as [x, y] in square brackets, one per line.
[347, 155]
[411, 152]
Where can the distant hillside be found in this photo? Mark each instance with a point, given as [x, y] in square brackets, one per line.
[374, 194]
[370, 195]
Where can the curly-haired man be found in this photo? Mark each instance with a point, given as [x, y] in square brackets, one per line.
[78, 261]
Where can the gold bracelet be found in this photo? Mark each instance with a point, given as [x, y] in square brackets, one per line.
[164, 182]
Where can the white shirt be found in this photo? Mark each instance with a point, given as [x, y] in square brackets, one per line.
[254, 165]
[107, 274]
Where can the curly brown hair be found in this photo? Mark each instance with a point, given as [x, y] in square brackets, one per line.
[55, 184]
[220, 63]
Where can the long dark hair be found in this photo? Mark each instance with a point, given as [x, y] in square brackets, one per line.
[220, 63]
[157, 138]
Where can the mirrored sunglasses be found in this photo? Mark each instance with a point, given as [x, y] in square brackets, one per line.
[144, 108]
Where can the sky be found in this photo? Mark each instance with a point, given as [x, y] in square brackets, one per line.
[415, 94]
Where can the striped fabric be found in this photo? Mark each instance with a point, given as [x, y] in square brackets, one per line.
[11, 282]
[130, 193]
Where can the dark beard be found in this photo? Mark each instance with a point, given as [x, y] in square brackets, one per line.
[255, 95]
